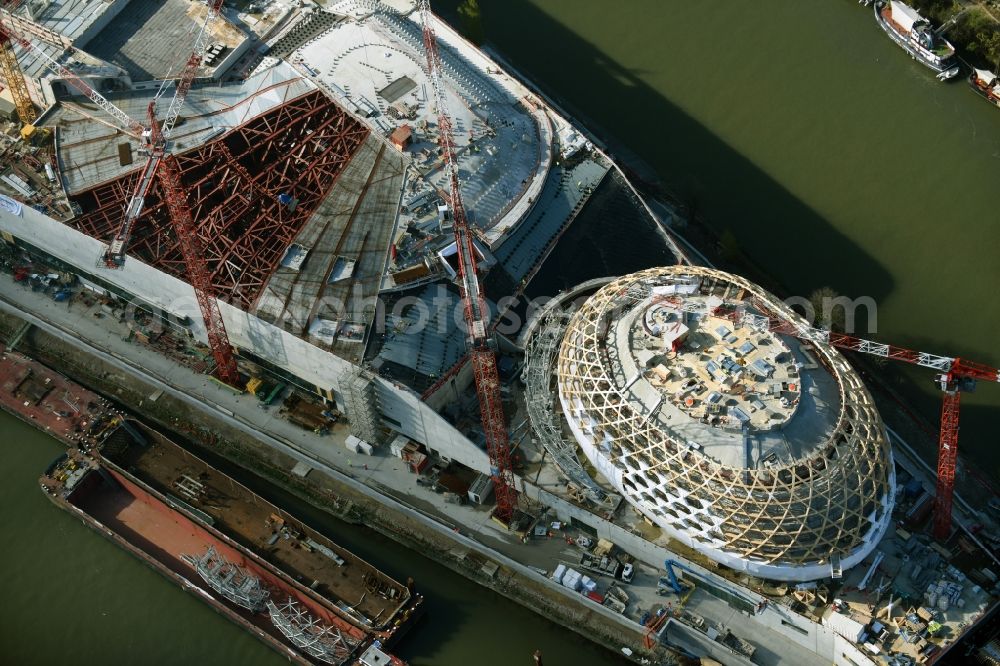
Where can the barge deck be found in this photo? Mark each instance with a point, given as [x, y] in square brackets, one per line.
[299, 592]
[48, 401]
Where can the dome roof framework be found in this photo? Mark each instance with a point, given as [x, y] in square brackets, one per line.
[799, 517]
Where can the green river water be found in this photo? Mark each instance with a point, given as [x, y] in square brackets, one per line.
[73, 597]
[833, 157]
[799, 126]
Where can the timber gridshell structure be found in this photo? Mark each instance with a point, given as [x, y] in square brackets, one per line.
[796, 520]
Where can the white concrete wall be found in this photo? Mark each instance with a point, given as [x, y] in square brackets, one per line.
[109, 13]
[313, 365]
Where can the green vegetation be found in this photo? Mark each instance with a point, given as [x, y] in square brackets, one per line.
[827, 312]
[977, 31]
[472, 21]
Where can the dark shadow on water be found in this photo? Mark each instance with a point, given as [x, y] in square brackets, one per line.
[796, 246]
[773, 226]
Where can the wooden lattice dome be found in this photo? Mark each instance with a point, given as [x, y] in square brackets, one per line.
[787, 494]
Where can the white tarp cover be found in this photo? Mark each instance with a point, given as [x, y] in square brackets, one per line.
[684, 289]
[847, 627]
[985, 76]
[905, 15]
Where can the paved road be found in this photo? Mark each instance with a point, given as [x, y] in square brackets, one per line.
[373, 475]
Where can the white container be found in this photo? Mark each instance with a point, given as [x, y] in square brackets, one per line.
[558, 574]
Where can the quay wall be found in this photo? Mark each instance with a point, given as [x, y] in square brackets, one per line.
[337, 493]
[410, 527]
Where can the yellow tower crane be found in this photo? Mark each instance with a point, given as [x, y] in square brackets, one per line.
[14, 77]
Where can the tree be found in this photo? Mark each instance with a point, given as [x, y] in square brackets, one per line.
[988, 45]
[827, 310]
[472, 21]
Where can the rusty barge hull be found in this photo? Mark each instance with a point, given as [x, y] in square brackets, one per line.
[170, 571]
[123, 492]
[46, 400]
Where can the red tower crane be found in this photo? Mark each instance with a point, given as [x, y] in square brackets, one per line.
[478, 338]
[156, 145]
[955, 377]
[163, 166]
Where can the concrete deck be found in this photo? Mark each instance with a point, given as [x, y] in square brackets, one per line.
[347, 240]
[152, 39]
[88, 148]
[504, 141]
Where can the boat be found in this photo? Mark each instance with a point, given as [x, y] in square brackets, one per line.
[43, 398]
[311, 600]
[914, 34]
[986, 84]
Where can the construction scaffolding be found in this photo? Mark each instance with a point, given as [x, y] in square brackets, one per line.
[251, 190]
[361, 403]
[539, 361]
[229, 580]
[323, 642]
[817, 482]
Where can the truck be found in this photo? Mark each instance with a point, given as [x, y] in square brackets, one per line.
[265, 391]
[607, 565]
[616, 599]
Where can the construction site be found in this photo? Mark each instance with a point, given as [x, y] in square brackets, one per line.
[329, 207]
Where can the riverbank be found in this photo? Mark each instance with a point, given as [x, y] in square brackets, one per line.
[976, 29]
[332, 492]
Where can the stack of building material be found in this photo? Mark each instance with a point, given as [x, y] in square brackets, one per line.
[571, 579]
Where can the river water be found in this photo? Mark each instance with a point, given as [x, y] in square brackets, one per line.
[71, 596]
[833, 157]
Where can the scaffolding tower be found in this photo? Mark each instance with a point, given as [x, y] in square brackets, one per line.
[361, 404]
[539, 367]
[323, 642]
[232, 582]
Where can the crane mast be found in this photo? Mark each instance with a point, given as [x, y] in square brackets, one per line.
[162, 166]
[955, 376]
[478, 338]
[190, 68]
[114, 257]
[15, 80]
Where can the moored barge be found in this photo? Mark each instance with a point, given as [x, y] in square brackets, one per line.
[914, 34]
[986, 84]
[43, 398]
[296, 590]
